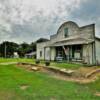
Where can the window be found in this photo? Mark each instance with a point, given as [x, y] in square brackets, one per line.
[40, 53]
[66, 32]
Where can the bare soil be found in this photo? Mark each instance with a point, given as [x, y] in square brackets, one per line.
[97, 94]
[24, 87]
[82, 75]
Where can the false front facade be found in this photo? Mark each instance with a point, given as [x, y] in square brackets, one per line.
[71, 43]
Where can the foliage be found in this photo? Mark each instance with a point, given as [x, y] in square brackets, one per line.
[12, 47]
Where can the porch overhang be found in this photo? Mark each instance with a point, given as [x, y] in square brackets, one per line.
[78, 41]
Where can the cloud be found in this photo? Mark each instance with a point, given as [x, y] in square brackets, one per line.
[87, 13]
[27, 20]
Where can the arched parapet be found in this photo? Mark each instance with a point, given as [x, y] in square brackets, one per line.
[67, 29]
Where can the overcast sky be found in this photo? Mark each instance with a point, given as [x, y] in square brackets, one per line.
[28, 20]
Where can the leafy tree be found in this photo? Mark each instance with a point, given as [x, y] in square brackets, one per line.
[10, 47]
[33, 46]
[23, 49]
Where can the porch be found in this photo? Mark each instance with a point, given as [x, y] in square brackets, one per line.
[75, 50]
[69, 53]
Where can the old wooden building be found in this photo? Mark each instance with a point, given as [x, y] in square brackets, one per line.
[71, 43]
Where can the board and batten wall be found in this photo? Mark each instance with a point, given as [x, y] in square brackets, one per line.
[97, 45]
[88, 53]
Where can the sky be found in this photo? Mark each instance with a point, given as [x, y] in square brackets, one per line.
[29, 20]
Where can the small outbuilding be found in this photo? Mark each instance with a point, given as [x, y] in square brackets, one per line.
[16, 55]
[30, 55]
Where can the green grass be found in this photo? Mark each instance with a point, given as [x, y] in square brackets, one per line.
[4, 60]
[41, 86]
[66, 65]
[56, 64]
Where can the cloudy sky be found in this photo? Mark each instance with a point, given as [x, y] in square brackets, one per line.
[28, 20]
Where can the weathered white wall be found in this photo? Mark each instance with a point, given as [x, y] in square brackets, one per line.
[73, 31]
[53, 53]
[87, 31]
[47, 53]
[97, 51]
[87, 53]
[40, 47]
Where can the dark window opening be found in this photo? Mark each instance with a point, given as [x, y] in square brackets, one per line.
[77, 49]
[66, 32]
[40, 53]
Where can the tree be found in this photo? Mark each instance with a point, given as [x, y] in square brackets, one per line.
[33, 46]
[10, 48]
[23, 49]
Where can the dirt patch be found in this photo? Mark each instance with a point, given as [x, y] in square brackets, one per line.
[97, 94]
[53, 98]
[78, 79]
[81, 75]
[24, 87]
[28, 67]
[88, 72]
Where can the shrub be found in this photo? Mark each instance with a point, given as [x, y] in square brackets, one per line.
[37, 61]
[47, 63]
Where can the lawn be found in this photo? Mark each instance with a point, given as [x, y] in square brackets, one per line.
[55, 64]
[66, 65]
[18, 84]
[3, 60]
[41, 86]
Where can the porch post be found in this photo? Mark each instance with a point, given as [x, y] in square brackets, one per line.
[66, 52]
[88, 56]
[53, 53]
[44, 53]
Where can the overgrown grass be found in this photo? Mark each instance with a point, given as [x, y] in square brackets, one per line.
[56, 64]
[4, 60]
[41, 86]
[66, 65]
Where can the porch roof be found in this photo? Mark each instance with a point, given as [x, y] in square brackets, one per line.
[75, 41]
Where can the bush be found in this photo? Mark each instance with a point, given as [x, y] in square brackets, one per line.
[47, 63]
[37, 61]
